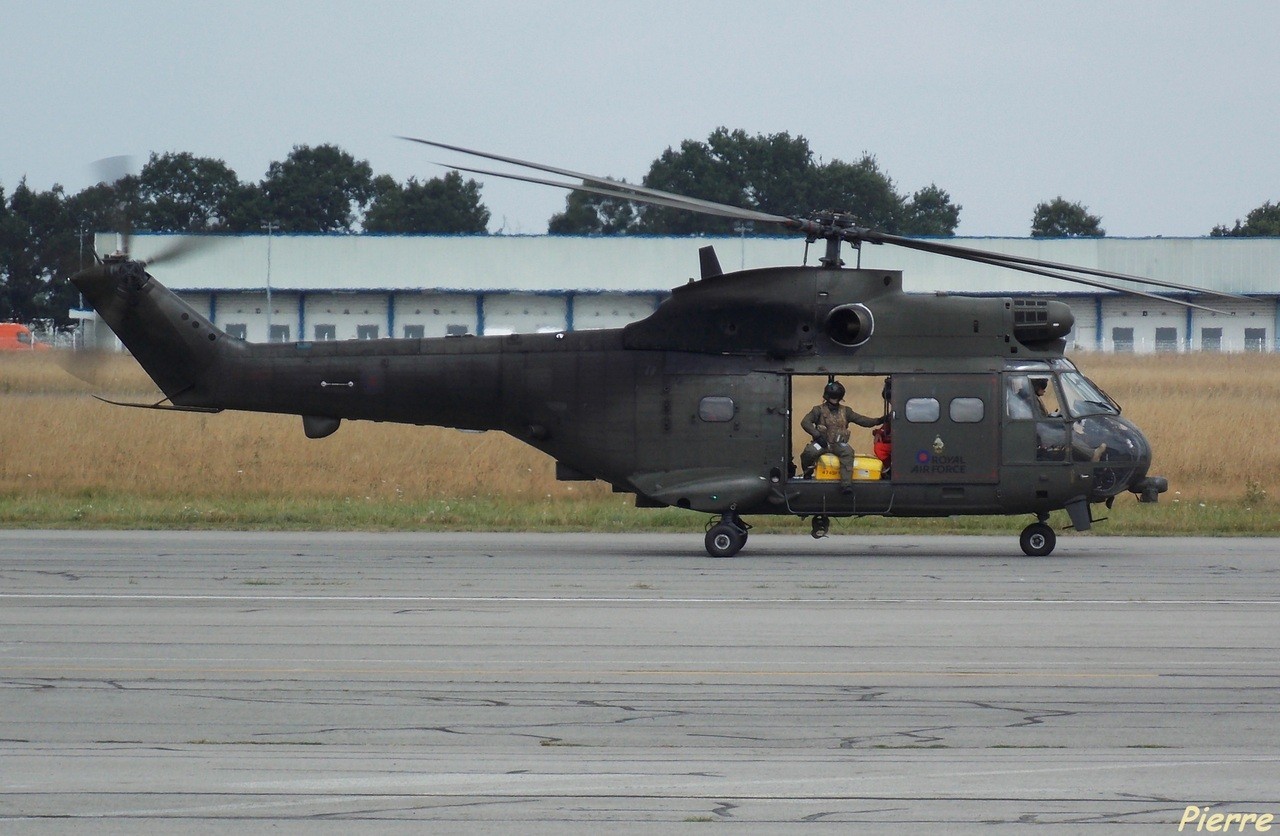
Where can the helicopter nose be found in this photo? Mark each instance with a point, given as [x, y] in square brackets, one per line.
[1118, 452]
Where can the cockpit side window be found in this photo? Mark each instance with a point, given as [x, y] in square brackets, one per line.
[1020, 399]
[1047, 393]
[1082, 397]
[1030, 397]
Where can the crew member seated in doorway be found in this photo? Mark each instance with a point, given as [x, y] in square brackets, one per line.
[828, 423]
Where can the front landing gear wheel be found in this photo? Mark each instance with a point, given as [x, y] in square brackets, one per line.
[724, 539]
[1037, 540]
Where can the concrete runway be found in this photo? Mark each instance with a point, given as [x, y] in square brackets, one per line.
[218, 682]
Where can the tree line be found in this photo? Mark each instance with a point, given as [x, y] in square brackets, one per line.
[46, 236]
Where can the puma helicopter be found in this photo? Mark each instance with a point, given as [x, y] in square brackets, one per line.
[691, 407]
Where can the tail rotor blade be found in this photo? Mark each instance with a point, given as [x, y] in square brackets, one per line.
[181, 248]
[111, 170]
[90, 366]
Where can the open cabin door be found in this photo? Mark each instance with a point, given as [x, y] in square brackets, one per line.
[946, 428]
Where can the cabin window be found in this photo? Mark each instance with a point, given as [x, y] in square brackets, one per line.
[239, 330]
[716, 408]
[967, 410]
[325, 333]
[923, 410]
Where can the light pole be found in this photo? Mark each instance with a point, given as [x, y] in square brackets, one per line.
[270, 227]
[742, 229]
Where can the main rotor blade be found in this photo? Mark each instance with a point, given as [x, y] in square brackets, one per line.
[713, 209]
[692, 204]
[1010, 261]
[820, 227]
[1026, 268]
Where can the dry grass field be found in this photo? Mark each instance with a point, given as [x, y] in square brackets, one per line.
[1212, 420]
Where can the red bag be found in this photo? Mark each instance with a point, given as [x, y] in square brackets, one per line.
[882, 443]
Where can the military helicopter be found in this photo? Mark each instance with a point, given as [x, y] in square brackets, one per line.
[692, 406]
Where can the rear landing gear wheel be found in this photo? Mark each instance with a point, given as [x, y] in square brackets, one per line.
[726, 538]
[1037, 540]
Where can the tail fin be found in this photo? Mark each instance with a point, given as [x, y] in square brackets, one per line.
[174, 344]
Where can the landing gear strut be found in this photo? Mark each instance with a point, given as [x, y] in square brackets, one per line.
[726, 535]
[1038, 539]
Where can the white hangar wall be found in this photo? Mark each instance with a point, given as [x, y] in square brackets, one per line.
[373, 286]
[1135, 324]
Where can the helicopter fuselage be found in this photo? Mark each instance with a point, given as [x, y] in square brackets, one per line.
[692, 407]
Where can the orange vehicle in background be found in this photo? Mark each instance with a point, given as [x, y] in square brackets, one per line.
[15, 337]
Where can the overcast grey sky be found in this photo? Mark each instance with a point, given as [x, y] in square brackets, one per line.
[1162, 117]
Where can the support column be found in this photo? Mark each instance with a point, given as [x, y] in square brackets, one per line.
[1275, 331]
[1190, 324]
[1097, 318]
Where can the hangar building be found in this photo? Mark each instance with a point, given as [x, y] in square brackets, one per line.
[341, 287]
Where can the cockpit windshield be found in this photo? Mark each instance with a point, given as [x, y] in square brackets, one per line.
[1083, 398]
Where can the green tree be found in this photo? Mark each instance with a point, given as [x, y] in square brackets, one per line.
[246, 209]
[445, 204]
[930, 212]
[184, 193]
[37, 252]
[1265, 220]
[862, 190]
[771, 173]
[774, 173]
[318, 189]
[1059, 219]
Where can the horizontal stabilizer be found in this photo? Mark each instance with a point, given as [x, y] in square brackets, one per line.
[160, 404]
